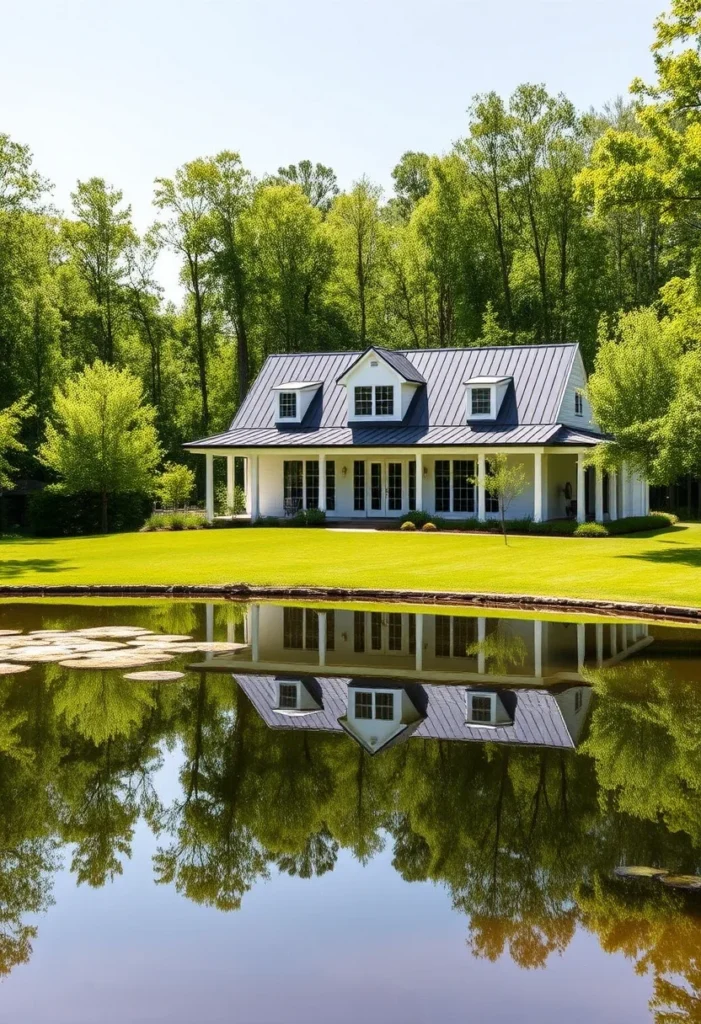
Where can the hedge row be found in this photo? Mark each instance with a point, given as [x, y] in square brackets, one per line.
[53, 513]
[551, 528]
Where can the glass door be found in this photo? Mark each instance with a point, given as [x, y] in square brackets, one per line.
[386, 488]
[394, 487]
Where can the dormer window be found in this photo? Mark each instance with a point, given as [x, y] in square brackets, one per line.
[481, 404]
[289, 697]
[369, 704]
[292, 400]
[578, 404]
[288, 405]
[384, 401]
[485, 396]
[481, 708]
[374, 401]
[363, 401]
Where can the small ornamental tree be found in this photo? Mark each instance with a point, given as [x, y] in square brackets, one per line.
[505, 481]
[102, 436]
[175, 485]
[11, 420]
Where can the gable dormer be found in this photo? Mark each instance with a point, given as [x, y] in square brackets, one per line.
[485, 396]
[486, 710]
[292, 400]
[294, 698]
[380, 385]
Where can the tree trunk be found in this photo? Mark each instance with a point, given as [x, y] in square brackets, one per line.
[104, 512]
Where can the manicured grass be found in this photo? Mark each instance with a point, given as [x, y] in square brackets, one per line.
[660, 567]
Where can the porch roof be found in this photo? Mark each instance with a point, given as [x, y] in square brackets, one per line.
[474, 435]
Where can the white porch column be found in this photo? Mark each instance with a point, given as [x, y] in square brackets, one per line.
[230, 481]
[599, 644]
[624, 492]
[253, 479]
[419, 634]
[481, 637]
[419, 483]
[255, 621]
[537, 487]
[598, 495]
[613, 496]
[322, 638]
[322, 493]
[581, 646]
[209, 487]
[209, 628]
[481, 493]
[581, 489]
[614, 640]
[538, 648]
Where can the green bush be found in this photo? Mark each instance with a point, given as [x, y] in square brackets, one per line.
[428, 527]
[175, 485]
[238, 508]
[418, 518]
[669, 516]
[639, 524]
[554, 528]
[591, 530]
[308, 517]
[268, 521]
[160, 521]
[54, 513]
[408, 526]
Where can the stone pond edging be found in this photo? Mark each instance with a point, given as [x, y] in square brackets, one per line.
[529, 602]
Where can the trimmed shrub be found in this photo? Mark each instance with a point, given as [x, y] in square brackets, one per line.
[54, 513]
[418, 518]
[428, 528]
[238, 508]
[308, 517]
[408, 526]
[174, 521]
[639, 524]
[267, 521]
[669, 516]
[591, 530]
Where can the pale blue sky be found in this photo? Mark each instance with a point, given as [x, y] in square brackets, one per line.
[130, 90]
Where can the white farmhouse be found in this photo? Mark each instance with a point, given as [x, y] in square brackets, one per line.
[379, 433]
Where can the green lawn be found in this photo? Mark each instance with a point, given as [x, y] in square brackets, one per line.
[659, 567]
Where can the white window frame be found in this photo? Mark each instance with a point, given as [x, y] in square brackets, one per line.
[578, 403]
[287, 682]
[374, 415]
[287, 415]
[482, 389]
[469, 696]
[373, 694]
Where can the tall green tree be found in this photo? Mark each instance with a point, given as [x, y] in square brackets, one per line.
[102, 436]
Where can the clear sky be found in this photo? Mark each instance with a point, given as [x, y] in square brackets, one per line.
[128, 91]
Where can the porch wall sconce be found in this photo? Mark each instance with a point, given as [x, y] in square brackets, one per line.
[344, 470]
[425, 470]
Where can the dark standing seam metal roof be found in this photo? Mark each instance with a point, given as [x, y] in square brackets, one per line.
[537, 720]
[437, 414]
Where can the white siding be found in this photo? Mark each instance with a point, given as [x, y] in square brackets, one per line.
[577, 381]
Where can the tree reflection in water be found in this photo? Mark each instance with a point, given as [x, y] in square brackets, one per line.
[523, 839]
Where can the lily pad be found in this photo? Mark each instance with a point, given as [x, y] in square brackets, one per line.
[40, 654]
[156, 676]
[114, 660]
[218, 645]
[692, 883]
[158, 638]
[9, 632]
[11, 670]
[639, 872]
[112, 631]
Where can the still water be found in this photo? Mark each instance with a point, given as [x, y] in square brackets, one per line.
[345, 814]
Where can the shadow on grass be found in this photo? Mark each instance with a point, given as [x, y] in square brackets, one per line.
[670, 552]
[10, 568]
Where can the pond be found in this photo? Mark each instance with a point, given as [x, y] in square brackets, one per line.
[345, 813]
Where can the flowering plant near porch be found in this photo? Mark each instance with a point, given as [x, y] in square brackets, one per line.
[504, 481]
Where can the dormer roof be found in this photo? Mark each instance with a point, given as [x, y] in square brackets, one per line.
[477, 382]
[297, 385]
[397, 360]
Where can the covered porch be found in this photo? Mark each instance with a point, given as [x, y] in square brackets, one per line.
[376, 484]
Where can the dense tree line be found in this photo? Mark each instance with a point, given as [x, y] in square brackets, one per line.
[542, 223]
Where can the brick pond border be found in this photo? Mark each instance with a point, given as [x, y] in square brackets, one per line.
[243, 591]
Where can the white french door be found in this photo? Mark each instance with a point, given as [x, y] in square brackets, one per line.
[385, 487]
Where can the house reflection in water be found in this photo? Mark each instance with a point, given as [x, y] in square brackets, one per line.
[383, 676]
